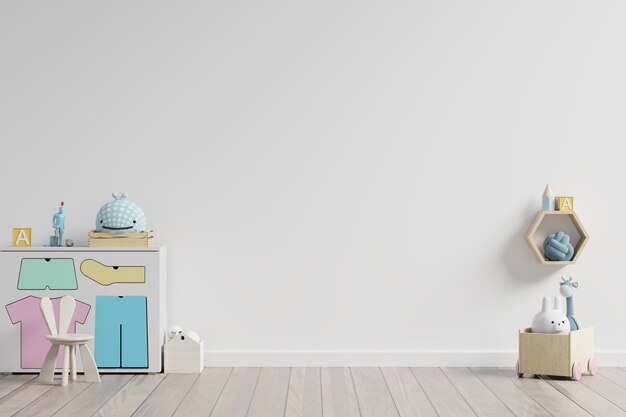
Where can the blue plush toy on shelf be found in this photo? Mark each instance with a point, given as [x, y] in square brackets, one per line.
[58, 223]
[556, 247]
[120, 216]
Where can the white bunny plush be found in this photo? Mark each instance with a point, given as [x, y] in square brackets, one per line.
[551, 320]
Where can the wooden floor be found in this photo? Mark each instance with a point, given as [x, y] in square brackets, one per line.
[328, 392]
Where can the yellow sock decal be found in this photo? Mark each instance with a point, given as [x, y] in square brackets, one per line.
[107, 275]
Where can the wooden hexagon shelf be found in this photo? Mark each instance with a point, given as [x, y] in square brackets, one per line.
[530, 236]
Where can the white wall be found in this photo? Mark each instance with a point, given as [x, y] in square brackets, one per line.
[330, 177]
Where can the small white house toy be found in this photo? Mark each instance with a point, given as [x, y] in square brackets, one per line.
[184, 354]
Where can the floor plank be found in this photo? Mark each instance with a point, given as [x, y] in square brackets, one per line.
[95, 396]
[317, 392]
[12, 382]
[21, 397]
[237, 394]
[304, 398]
[372, 393]
[130, 396]
[591, 401]
[408, 395]
[442, 394]
[54, 399]
[270, 395]
[617, 375]
[338, 395]
[166, 398]
[516, 399]
[546, 395]
[482, 400]
[607, 388]
[203, 395]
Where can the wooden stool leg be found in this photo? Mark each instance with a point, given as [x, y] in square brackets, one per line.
[73, 362]
[47, 369]
[66, 362]
[89, 365]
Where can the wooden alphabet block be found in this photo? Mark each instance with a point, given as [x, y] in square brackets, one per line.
[565, 203]
[22, 236]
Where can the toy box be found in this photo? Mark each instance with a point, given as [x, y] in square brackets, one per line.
[120, 240]
[183, 355]
[565, 355]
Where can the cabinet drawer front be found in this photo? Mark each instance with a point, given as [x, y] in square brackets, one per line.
[51, 273]
[86, 275]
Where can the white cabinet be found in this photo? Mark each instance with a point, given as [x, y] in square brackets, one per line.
[120, 295]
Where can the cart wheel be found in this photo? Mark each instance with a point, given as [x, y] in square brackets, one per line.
[592, 366]
[577, 371]
[519, 374]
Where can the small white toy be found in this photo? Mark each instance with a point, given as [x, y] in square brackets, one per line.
[551, 320]
[173, 331]
[176, 330]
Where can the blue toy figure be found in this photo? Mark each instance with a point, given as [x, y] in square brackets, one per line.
[58, 222]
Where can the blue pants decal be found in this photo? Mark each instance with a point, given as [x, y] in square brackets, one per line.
[121, 339]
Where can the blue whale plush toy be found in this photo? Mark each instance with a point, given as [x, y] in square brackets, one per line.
[120, 216]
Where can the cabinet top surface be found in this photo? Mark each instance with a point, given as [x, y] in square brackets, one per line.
[76, 249]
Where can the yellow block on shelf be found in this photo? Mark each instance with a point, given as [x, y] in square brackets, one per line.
[120, 240]
[22, 236]
[564, 203]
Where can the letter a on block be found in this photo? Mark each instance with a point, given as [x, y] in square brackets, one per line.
[565, 203]
[21, 237]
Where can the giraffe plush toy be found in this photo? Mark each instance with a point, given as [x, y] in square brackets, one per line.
[567, 291]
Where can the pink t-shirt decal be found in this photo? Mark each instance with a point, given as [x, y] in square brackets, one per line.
[34, 345]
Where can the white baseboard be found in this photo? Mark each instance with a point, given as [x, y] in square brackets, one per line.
[504, 359]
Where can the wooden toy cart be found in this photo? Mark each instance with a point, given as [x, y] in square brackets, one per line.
[557, 354]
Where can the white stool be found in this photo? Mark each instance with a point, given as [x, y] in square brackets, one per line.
[68, 341]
